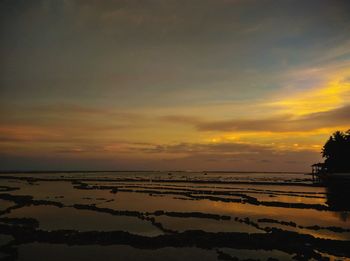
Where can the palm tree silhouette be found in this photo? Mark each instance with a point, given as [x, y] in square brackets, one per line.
[336, 152]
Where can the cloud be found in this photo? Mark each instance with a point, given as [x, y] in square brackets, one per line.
[283, 123]
[73, 73]
[182, 156]
[206, 148]
[314, 89]
[79, 110]
[231, 156]
[243, 125]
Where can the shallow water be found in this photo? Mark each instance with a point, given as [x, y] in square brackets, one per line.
[4, 204]
[116, 252]
[54, 218]
[151, 204]
[209, 225]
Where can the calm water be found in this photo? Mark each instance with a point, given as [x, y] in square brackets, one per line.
[170, 215]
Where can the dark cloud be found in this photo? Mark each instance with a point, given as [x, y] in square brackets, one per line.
[206, 148]
[72, 72]
[142, 52]
[205, 157]
[284, 123]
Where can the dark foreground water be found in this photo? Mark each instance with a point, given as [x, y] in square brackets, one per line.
[171, 216]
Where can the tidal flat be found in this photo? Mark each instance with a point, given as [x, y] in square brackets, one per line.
[171, 215]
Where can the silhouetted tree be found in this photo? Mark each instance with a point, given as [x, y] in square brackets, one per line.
[336, 152]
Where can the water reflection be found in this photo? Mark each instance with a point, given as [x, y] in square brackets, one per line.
[100, 206]
[338, 200]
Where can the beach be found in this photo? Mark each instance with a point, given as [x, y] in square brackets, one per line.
[172, 215]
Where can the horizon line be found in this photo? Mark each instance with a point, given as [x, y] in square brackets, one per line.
[111, 171]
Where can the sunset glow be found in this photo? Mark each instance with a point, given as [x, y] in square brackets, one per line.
[87, 85]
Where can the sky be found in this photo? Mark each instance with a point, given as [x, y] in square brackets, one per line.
[244, 85]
